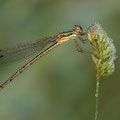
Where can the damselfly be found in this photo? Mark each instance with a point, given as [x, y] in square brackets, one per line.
[53, 42]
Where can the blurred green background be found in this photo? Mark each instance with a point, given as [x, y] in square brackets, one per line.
[61, 85]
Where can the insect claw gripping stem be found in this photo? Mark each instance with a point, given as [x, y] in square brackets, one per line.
[82, 40]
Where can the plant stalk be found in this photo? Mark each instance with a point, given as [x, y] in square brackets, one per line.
[97, 97]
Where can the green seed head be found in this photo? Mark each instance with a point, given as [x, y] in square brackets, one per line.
[104, 51]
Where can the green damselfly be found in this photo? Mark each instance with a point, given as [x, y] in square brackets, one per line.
[11, 54]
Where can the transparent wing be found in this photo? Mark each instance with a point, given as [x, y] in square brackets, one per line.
[22, 51]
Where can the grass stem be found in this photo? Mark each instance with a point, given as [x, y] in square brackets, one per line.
[97, 98]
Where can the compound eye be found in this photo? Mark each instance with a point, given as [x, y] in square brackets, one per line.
[78, 29]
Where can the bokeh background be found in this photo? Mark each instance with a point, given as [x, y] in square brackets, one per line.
[61, 85]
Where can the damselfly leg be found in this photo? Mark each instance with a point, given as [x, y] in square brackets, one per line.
[79, 49]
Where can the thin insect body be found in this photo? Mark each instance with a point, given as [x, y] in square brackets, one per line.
[60, 39]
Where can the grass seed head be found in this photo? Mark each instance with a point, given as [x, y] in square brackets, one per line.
[104, 51]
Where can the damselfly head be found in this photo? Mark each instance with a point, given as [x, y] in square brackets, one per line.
[78, 29]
